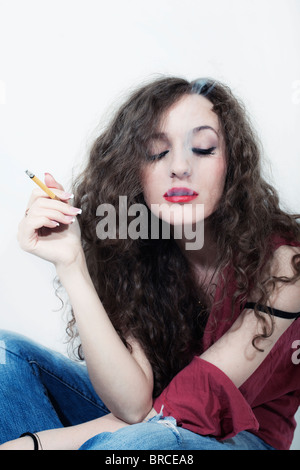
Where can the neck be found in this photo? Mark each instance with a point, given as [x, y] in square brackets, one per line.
[203, 259]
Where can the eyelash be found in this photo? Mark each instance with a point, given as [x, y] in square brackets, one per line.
[159, 156]
[195, 150]
[204, 151]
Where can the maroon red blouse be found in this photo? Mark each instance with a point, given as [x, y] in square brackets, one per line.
[204, 400]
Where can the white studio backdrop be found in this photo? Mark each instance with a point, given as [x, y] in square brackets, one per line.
[65, 64]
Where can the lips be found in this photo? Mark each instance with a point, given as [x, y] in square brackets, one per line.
[180, 195]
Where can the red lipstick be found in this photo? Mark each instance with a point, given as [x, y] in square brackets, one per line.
[180, 195]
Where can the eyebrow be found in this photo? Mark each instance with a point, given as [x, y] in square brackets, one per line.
[159, 136]
[201, 128]
[163, 136]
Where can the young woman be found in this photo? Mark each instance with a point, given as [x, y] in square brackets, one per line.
[185, 348]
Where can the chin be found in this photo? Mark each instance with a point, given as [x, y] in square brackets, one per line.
[179, 214]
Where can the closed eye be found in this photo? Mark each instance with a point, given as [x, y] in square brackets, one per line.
[158, 156]
[204, 151]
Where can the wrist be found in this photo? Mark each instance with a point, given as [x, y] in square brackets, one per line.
[35, 440]
[78, 265]
[75, 276]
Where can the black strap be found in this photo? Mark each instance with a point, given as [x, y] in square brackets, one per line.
[273, 311]
[33, 437]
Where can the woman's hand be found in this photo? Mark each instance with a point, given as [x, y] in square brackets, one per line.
[50, 229]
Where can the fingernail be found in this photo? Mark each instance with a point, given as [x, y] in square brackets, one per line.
[67, 195]
[75, 210]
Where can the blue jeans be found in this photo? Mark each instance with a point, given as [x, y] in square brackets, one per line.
[41, 389]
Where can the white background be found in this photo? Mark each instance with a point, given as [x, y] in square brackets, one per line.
[65, 63]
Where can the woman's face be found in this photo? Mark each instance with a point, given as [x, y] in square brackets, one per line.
[188, 164]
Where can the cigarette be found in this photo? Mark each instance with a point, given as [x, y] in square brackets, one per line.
[42, 185]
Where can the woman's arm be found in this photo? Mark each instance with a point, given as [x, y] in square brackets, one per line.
[234, 353]
[69, 438]
[123, 380]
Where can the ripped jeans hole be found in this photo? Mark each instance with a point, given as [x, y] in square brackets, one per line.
[170, 423]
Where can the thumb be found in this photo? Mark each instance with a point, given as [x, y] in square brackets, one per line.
[51, 182]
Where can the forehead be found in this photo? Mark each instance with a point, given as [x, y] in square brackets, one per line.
[190, 112]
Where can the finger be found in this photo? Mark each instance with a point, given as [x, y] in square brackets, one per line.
[28, 230]
[51, 182]
[38, 193]
[63, 195]
[37, 214]
[42, 204]
[56, 187]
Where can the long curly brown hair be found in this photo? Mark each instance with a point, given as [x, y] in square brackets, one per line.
[146, 285]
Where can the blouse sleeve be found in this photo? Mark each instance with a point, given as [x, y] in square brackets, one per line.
[205, 401]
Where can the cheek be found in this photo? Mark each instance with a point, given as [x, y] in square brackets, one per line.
[215, 174]
[213, 184]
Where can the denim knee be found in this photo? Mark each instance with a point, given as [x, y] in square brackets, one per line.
[156, 434]
[13, 343]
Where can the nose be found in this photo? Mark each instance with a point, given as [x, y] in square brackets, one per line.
[180, 166]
